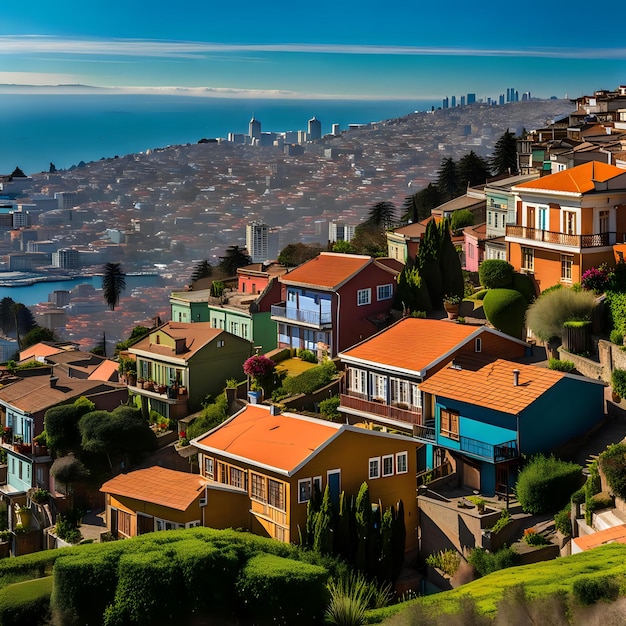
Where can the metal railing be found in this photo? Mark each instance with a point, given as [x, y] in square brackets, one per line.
[491, 452]
[595, 240]
[313, 318]
[381, 409]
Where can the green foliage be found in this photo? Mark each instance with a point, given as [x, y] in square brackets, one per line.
[282, 591]
[447, 561]
[547, 314]
[617, 337]
[61, 425]
[525, 285]
[234, 258]
[478, 295]
[561, 366]
[495, 274]
[382, 214]
[487, 562]
[473, 170]
[503, 520]
[428, 267]
[533, 538]
[26, 603]
[613, 464]
[506, 309]
[40, 496]
[212, 415]
[460, 219]
[578, 497]
[363, 521]
[203, 269]
[412, 293]
[591, 589]
[504, 159]
[113, 283]
[68, 470]
[618, 382]
[343, 247]
[37, 335]
[563, 520]
[295, 254]
[450, 263]
[324, 526]
[310, 380]
[307, 355]
[597, 502]
[545, 484]
[328, 408]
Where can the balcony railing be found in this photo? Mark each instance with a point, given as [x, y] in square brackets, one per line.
[597, 240]
[490, 452]
[318, 319]
[168, 394]
[381, 409]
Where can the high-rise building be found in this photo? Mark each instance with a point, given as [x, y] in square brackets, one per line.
[501, 98]
[471, 98]
[336, 129]
[257, 241]
[340, 231]
[445, 102]
[462, 101]
[254, 128]
[452, 102]
[315, 129]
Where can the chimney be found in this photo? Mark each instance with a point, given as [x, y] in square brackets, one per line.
[516, 378]
[53, 381]
[274, 409]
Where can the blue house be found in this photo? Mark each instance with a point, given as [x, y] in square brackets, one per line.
[487, 413]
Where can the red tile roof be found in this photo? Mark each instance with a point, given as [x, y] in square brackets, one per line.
[158, 485]
[615, 534]
[196, 336]
[412, 343]
[278, 441]
[328, 270]
[579, 179]
[489, 384]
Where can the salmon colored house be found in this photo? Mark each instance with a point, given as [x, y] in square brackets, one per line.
[278, 460]
[567, 222]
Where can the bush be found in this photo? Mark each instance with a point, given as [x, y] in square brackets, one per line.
[613, 464]
[495, 274]
[26, 603]
[503, 520]
[545, 484]
[478, 295]
[525, 285]
[589, 589]
[596, 279]
[616, 303]
[561, 366]
[486, 562]
[307, 355]
[547, 314]
[533, 538]
[282, 591]
[563, 521]
[311, 379]
[618, 382]
[617, 337]
[447, 561]
[328, 408]
[506, 309]
[460, 219]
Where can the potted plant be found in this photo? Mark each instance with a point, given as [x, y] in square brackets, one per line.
[451, 305]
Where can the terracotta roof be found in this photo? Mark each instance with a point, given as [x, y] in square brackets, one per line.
[327, 270]
[158, 485]
[579, 179]
[76, 359]
[42, 349]
[412, 343]
[489, 384]
[280, 441]
[107, 370]
[615, 534]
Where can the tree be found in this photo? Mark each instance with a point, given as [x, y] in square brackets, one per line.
[448, 180]
[324, 526]
[37, 335]
[427, 264]
[412, 293]
[473, 170]
[61, 426]
[202, 270]
[450, 264]
[504, 159]
[18, 173]
[419, 206]
[53, 168]
[363, 521]
[295, 254]
[370, 240]
[69, 471]
[113, 283]
[234, 258]
[343, 247]
[382, 214]
[461, 218]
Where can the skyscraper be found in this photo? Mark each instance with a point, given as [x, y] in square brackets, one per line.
[445, 102]
[257, 241]
[254, 128]
[471, 98]
[315, 129]
[452, 102]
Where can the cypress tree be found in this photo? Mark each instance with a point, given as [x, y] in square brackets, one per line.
[428, 264]
[312, 509]
[363, 521]
[385, 570]
[345, 544]
[324, 526]
[398, 540]
[449, 263]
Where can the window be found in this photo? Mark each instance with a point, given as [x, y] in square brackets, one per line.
[489, 218]
[244, 331]
[379, 387]
[220, 343]
[236, 477]
[357, 380]
[388, 465]
[123, 522]
[402, 463]
[234, 328]
[400, 391]
[478, 344]
[416, 396]
[222, 473]
[208, 467]
[276, 494]
[449, 426]
[317, 483]
[304, 490]
[566, 268]
[374, 467]
[569, 222]
[384, 292]
[604, 221]
[495, 220]
[528, 259]
[257, 489]
[363, 296]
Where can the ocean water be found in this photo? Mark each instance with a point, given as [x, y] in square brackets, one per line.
[39, 129]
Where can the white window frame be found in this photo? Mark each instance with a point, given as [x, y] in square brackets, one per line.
[379, 386]
[567, 262]
[400, 391]
[373, 465]
[209, 467]
[402, 462]
[364, 297]
[384, 292]
[416, 396]
[528, 254]
[305, 490]
[357, 380]
[386, 471]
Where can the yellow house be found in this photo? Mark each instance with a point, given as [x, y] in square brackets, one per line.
[157, 498]
[278, 459]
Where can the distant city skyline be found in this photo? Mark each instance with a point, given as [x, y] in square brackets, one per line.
[320, 50]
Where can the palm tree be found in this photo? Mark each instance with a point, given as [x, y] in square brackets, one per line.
[202, 270]
[113, 283]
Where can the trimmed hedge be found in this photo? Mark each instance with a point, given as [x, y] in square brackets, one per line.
[561, 366]
[525, 285]
[546, 484]
[506, 310]
[589, 589]
[310, 379]
[282, 591]
[26, 603]
[495, 274]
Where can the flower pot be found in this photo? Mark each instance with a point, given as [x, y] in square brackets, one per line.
[452, 310]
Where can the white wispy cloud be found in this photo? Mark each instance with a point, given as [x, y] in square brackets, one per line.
[35, 78]
[42, 44]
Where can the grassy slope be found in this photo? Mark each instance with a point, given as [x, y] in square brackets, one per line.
[539, 579]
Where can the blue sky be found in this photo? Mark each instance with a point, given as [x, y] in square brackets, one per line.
[398, 49]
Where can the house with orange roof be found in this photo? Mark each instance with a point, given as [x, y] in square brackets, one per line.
[403, 242]
[567, 223]
[179, 364]
[334, 301]
[157, 498]
[279, 459]
[488, 412]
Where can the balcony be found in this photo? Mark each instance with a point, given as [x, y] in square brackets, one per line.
[360, 403]
[314, 319]
[597, 240]
[494, 453]
[167, 394]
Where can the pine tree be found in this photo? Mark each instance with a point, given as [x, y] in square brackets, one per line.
[113, 283]
[345, 539]
[385, 570]
[504, 159]
[382, 214]
[234, 258]
[473, 170]
[448, 180]
[202, 270]
[419, 206]
[399, 539]
[412, 293]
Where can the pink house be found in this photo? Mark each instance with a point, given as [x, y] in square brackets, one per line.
[474, 244]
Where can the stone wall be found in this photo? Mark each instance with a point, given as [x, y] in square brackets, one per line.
[587, 367]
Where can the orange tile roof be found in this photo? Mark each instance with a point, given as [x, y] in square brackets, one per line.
[579, 179]
[107, 370]
[615, 534]
[489, 384]
[328, 270]
[39, 350]
[281, 441]
[158, 485]
[196, 336]
[412, 343]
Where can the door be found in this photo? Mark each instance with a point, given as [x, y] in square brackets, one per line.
[334, 486]
[530, 217]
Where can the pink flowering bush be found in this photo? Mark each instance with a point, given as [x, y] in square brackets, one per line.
[596, 279]
[260, 369]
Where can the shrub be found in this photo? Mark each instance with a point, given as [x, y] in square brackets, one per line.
[460, 219]
[447, 561]
[563, 521]
[311, 379]
[26, 603]
[613, 464]
[589, 589]
[525, 285]
[506, 309]
[533, 538]
[478, 295]
[495, 274]
[283, 591]
[547, 314]
[596, 279]
[618, 382]
[545, 484]
[503, 520]
[307, 355]
[617, 337]
[597, 502]
[616, 303]
[328, 408]
[486, 562]
[561, 366]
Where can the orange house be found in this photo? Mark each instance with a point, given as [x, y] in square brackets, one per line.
[567, 223]
[278, 459]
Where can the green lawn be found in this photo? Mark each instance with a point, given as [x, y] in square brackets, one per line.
[294, 366]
